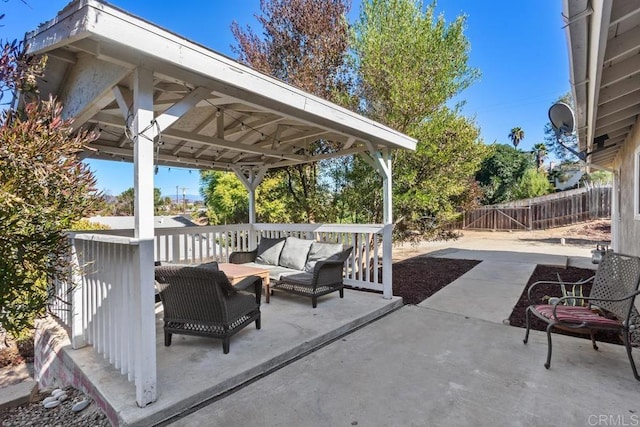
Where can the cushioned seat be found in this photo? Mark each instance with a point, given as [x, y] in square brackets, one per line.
[575, 315]
[300, 266]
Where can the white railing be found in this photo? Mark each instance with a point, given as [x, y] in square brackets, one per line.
[105, 303]
[102, 300]
[366, 268]
[200, 244]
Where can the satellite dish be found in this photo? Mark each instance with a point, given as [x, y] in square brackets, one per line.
[562, 119]
[563, 123]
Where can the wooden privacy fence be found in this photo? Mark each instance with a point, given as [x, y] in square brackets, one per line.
[553, 210]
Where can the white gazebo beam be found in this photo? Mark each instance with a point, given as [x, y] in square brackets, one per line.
[207, 140]
[124, 99]
[143, 295]
[250, 179]
[381, 162]
[177, 110]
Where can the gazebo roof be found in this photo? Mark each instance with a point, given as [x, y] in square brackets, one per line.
[215, 112]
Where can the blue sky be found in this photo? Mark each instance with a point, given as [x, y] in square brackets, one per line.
[519, 47]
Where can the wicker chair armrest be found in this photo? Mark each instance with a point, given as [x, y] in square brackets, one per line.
[252, 284]
[555, 282]
[225, 285]
[243, 257]
[329, 271]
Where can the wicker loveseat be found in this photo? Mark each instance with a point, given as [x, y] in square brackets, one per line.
[201, 301]
[299, 266]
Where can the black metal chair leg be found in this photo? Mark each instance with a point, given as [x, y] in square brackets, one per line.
[258, 323]
[167, 339]
[526, 335]
[314, 302]
[593, 339]
[225, 344]
[548, 364]
[341, 293]
[627, 344]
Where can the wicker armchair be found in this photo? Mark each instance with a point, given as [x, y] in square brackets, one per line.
[202, 302]
[325, 278]
[609, 306]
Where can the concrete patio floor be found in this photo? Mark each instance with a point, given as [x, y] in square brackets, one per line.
[194, 369]
[423, 367]
[447, 361]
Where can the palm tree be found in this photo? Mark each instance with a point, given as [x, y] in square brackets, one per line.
[516, 135]
[540, 152]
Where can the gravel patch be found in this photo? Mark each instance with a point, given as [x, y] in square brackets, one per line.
[35, 414]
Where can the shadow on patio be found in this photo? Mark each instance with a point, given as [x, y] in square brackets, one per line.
[195, 370]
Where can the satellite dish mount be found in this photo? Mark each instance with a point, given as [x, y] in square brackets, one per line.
[563, 123]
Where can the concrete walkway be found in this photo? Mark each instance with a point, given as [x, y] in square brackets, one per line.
[444, 362]
[422, 367]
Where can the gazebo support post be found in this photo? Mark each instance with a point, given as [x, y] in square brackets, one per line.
[250, 179]
[144, 132]
[380, 160]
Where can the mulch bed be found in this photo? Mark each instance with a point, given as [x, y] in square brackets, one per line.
[416, 279]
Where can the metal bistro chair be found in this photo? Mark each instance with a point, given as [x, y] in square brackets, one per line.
[610, 305]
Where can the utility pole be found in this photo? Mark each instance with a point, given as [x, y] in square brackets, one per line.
[184, 200]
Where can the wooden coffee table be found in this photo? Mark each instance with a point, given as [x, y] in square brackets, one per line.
[237, 272]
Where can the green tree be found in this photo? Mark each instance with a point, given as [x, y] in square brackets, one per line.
[432, 184]
[532, 183]
[305, 44]
[409, 64]
[540, 153]
[44, 188]
[225, 197]
[500, 173]
[227, 200]
[158, 201]
[516, 135]
[273, 201]
[125, 201]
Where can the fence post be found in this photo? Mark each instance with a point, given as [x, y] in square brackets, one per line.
[530, 218]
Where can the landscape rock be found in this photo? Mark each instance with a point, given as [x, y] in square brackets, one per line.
[35, 414]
